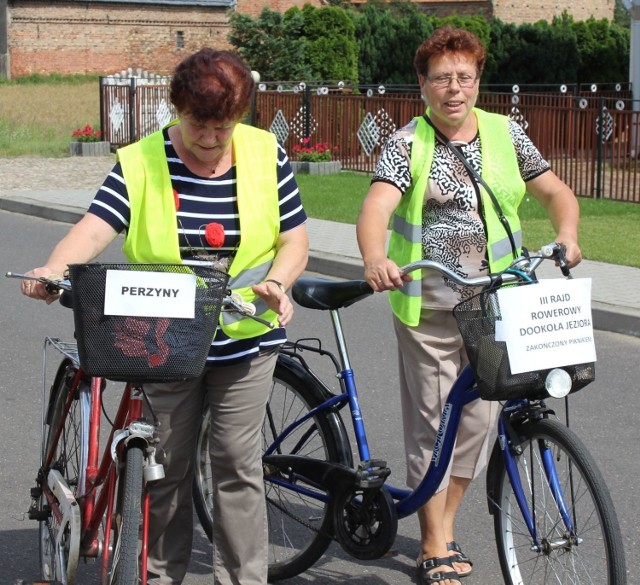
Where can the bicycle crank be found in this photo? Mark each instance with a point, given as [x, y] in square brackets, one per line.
[365, 521]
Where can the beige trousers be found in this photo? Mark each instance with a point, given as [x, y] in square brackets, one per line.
[237, 397]
[430, 357]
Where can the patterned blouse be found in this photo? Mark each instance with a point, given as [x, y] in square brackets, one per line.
[202, 201]
[452, 229]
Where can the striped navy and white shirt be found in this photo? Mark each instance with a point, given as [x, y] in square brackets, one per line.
[202, 201]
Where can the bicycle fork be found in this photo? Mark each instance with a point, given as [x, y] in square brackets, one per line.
[510, 448]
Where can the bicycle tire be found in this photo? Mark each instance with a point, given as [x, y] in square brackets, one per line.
[595, 553]
[124, 566]
[300, 528]
[70, 460]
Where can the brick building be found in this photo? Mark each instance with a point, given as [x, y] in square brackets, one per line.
[108, 36]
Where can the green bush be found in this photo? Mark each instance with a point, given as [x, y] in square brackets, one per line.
[375, 43]
[312, 44]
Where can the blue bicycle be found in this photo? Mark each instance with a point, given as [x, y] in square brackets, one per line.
[553, 516]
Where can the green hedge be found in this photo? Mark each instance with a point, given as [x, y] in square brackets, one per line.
[375, 43]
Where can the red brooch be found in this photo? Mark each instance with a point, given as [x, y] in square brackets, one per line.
[214, 234]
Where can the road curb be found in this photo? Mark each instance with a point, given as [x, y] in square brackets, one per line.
[31, 207]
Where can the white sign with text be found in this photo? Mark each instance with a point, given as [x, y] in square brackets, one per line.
[138, 293]
[547, 324]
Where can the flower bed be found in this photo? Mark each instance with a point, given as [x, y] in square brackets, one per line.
[87, 142]
[316, 168]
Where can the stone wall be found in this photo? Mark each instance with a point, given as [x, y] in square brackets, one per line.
[521, 11]
[254, 7]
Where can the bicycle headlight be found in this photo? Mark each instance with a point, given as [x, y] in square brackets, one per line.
[558, 383]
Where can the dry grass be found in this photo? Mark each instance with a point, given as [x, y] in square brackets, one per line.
[38, 119]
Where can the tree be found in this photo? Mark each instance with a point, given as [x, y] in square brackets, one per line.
[389, 36]
[312, 44]
[272, 44]
[330, 45]
[604, 51]
[621, 15]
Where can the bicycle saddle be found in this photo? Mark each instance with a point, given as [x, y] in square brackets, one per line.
[326, 295]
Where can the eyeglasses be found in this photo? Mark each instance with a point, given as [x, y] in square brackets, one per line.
[463, 80]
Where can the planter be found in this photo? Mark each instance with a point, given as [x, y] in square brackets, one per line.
[90, 148]
[316, 168]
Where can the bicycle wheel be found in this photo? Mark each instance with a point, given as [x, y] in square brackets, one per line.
[60, 538]
[589, 552]
[124, 563]
[300, 527]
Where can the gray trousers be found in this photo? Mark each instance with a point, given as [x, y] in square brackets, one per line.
[237, 397]
[430, 357]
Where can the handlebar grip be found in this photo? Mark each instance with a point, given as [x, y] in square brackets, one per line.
[557, 251]
[65, 299]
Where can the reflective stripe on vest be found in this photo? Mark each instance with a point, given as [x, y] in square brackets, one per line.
[501, 172]
[152, 236]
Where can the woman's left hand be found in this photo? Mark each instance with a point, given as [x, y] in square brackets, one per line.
[276, 300]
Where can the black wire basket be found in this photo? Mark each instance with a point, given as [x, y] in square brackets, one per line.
[476, 318]
[144, 349]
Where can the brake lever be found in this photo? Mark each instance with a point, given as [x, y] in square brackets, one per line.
[50, 286]
[248, 309]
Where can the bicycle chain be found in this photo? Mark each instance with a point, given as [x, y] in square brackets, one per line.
[299, 520]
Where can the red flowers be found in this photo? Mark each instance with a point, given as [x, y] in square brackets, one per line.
[214, 234]
[86, 134]
[319, 152]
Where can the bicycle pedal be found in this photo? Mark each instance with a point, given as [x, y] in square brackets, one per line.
[372, 473]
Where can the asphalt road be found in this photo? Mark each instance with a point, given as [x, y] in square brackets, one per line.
[605, 415]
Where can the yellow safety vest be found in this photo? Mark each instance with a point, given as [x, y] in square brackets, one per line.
[152, 236]
[499, 170]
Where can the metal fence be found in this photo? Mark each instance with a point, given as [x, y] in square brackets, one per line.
[590, 137]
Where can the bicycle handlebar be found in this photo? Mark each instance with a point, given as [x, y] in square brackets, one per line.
[51, 285]
[525, 264]
[232, 301]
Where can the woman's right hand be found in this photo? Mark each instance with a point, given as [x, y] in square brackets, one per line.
[384, 274]
[37, 290]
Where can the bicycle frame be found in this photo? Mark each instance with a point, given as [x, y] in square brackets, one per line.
[516, 484]
[98, 471]
[462, 393]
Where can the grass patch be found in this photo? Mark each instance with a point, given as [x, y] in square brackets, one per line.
[334, 197]
[37, 119]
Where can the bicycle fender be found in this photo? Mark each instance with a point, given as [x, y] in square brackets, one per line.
[136, 430]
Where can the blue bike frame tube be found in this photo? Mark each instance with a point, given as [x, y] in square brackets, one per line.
[554, 485]
[463, 392]
[356, 415]
[291, 484]
[349, 387]
[514, 479]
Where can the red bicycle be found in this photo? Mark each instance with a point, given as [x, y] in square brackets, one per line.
[91, 497]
